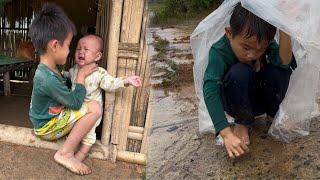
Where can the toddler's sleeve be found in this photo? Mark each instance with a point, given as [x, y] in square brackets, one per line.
[108, 82]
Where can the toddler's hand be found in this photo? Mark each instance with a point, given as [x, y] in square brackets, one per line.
[135, 81]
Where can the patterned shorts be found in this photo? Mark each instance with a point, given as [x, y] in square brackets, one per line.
[61, 125]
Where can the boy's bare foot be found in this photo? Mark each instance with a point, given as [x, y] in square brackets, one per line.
[71, 163]
[81, 156]
[242, 132]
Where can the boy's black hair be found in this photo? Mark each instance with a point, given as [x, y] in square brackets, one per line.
[50, 23]
[243, 21]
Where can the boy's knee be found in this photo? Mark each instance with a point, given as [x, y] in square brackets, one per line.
[277, 77]
[240, 73]
[95, 107]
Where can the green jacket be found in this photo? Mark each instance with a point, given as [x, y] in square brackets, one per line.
[49, 91]
[221, 58]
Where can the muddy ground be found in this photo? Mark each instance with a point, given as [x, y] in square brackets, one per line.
[21, 162]
[178, 151]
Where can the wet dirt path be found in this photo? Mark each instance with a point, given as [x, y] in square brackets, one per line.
[178, 151]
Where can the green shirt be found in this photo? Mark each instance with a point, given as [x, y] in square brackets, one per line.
[49, 91]
[221, 58]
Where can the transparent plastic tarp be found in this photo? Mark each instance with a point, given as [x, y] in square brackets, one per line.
[299, 19]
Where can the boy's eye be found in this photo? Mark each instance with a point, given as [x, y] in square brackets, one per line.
[246, 48]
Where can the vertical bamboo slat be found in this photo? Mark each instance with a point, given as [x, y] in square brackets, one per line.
[141, 96]
[147, 127]
[130, 33]
[113, 43]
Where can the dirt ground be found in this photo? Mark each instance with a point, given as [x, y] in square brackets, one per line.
[178, 151]
[21, 162]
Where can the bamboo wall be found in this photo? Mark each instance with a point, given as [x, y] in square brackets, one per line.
[125, 125]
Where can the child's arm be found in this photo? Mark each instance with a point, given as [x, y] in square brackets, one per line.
[212, 96]
[285, 48]
[135, 81]
[58, 91]
[110, 83]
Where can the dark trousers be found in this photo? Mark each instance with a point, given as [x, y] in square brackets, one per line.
[247, 93]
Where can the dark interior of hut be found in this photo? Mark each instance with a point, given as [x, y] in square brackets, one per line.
[15, 19]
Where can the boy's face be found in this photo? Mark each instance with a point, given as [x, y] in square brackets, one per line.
[87, 51]
[246, 49]
[61, 51]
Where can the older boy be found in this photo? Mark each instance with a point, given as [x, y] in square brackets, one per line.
[54, 109]
[247, 75]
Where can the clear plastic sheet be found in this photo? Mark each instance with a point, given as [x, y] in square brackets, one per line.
[299, 19]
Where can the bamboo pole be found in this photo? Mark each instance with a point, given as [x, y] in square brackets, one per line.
[131, 32]
[148, 126]
[113, 42]
[136, 129]
[132, 157]
[141, 97]
[135, 136]
[25, 136]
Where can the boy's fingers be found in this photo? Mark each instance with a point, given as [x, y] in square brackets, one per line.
[240, 150]
[230, 153]
[236, 153]
[244, 147]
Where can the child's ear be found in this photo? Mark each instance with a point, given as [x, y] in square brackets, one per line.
[53, 45]
[228, 32]
[99, 56]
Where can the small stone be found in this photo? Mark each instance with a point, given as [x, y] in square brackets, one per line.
[210, 173]
[173, 128]
[296, 157]
[307, 162]
[301, 147]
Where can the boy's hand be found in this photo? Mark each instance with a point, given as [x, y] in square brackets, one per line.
[84, 71]
[135, 81]
[235, 147]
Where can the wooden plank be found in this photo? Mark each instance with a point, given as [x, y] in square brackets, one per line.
[6, 82]
[128, 55]
[130, 47]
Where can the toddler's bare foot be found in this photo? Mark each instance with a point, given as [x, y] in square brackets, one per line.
[71, 163]
[83, 152]
[81, 156]
[242, 132]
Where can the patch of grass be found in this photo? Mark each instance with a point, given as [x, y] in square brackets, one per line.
[161, 45]
[171, 75]
[171, 12]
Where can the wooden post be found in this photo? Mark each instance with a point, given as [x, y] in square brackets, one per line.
[6, 82]
[113, 42]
